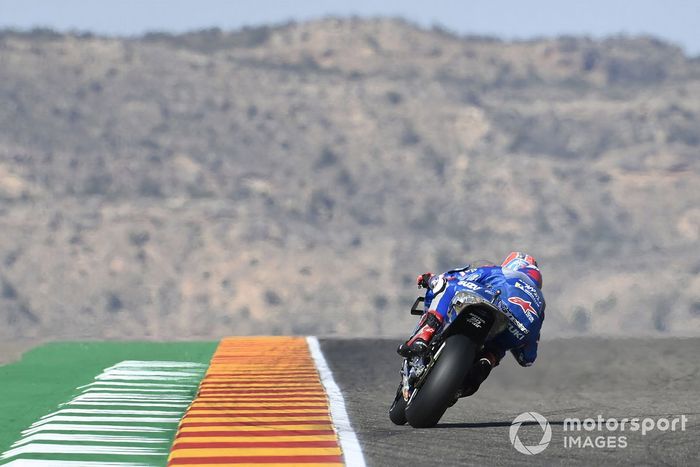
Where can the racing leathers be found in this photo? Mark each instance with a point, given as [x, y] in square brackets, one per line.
[519, 298]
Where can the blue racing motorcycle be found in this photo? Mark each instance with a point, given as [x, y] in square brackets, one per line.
[432, 382]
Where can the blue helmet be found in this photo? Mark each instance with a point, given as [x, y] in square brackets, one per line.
[522, 262]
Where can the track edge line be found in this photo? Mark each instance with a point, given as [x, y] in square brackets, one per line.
[352, 452]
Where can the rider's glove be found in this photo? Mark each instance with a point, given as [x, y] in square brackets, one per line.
[424, 280]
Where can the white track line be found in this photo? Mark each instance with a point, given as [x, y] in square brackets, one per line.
[352, 453]
[115, 383]
[118, 404]
[158, 364]
[70, 418]
[70, 427]
[114, 412]
[90, 438]
[55, 463]
[140, 390]
[41, 448]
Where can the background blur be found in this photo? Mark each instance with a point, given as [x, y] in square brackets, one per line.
[198, 169]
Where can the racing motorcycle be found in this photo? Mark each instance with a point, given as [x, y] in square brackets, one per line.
[431, 382]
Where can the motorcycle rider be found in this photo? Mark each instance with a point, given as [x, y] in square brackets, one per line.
[519, 281]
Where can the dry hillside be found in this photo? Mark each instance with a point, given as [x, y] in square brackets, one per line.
[295, 179]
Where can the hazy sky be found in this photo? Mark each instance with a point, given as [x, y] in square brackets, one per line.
[674, 20]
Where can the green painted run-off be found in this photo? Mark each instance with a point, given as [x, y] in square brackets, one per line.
[49, 375]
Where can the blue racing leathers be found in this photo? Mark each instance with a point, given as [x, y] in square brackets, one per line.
[518, 295]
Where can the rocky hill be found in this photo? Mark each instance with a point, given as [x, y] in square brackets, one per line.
[295, 179]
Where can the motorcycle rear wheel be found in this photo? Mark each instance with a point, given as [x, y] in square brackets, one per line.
[445, 379]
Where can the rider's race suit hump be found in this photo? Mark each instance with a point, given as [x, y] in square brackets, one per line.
[519, 295]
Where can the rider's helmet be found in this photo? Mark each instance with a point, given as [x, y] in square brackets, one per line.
[521, 262]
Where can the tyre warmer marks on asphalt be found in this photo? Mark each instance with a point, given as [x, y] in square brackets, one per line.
[267, 401]
[126, 417]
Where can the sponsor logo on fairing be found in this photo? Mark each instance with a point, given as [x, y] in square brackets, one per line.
[525, 306]
[517, 334]
[530, 291]
[475, 321]
[506, 311]
[436, 284]
[469, 285]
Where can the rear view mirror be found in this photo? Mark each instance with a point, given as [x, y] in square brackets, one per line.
[417, 308]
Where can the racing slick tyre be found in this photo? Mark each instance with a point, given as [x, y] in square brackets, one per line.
[427, 406]
[397, 411]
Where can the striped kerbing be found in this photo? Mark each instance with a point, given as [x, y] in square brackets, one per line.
[261, 402]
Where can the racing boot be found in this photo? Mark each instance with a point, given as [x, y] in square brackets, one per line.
[478, 373]
[418, 343]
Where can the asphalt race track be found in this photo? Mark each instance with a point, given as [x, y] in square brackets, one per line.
[579, 377]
